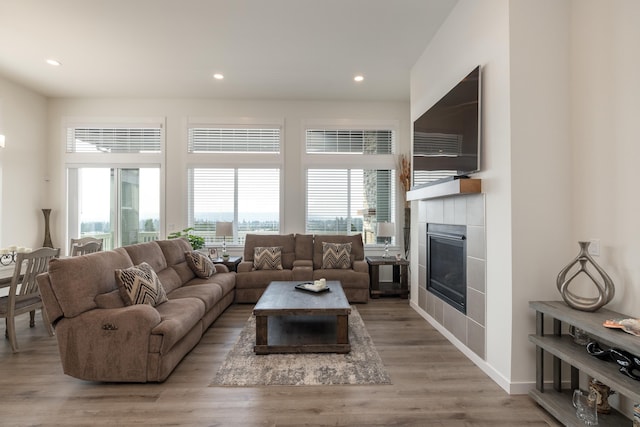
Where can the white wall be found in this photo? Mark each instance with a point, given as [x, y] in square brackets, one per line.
[561, 146]
[606, 147]
[540, 166]
[176, 112]
[477, 33]
[23, 167]
[523, 48]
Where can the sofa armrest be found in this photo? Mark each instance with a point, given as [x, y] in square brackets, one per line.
[361, 267]
[245, 267]
[108, 344]
[221, 268]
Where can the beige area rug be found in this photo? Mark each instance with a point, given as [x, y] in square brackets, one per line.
[363, 365]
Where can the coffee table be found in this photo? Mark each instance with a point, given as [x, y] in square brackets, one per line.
[290, 320]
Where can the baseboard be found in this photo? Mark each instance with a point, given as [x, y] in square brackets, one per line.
[490, 371]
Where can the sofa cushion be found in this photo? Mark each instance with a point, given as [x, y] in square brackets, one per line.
[173, 250]
[148, 252]
[304, 247]
[140, 285]
[178, 317]
[267, 258]
[285, 241]
[357, 247]
[200, 263]
[336, 255]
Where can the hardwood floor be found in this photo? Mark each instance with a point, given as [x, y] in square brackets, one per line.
[433, 385]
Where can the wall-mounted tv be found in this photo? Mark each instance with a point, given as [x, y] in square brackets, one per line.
[446, 138]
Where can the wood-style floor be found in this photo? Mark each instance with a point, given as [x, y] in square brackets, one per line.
[433, 385]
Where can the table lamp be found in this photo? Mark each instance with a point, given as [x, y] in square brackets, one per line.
[386, 230]
[224, 229]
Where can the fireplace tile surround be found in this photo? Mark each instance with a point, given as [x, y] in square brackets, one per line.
[468, 210]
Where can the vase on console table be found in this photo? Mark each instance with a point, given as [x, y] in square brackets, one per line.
[604, 287]
[47, 233]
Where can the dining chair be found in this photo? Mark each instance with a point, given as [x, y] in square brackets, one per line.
[83, 241]
[85, 248]
[24, 295]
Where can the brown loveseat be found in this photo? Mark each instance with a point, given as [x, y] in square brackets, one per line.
[302, 259]
[102, 339]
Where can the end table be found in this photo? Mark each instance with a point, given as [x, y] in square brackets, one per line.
[231, 263]
[399, 286]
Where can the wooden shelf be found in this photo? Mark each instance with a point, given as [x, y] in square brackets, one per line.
[448, 188]
[563, 348]
[559, 404]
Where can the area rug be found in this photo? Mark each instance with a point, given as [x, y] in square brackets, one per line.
[362, 365]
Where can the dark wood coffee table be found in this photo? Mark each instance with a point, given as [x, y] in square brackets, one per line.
[289, 320]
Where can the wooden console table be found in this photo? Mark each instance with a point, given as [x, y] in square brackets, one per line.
[564, 351]
[399, 285]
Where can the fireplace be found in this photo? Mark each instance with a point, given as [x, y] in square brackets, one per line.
[447, 264]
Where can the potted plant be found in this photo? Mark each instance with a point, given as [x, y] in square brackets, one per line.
[197, 242]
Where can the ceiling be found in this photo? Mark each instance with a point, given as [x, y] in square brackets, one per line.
[266, 49]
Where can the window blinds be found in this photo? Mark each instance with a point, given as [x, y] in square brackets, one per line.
[349, 141]
[114, 140]
[248, 197]
[233, 140]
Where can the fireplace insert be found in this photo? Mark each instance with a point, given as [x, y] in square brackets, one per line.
[447, 264]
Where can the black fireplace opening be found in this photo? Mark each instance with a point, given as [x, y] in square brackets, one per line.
[447, 264]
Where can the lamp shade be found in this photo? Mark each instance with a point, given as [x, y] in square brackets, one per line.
[386, 229]
[224, 229]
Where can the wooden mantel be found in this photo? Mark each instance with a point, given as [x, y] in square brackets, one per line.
[448, 188]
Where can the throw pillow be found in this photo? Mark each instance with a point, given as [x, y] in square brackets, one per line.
[336, 255]
[140, 285]
[267, 258]
[200, 263]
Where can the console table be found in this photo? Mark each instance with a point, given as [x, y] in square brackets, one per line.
[399, 285]
[558, 401]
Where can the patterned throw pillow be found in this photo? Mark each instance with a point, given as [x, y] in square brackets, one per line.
[336, 255]
[140, 285]
[200, 263]
[267, 258]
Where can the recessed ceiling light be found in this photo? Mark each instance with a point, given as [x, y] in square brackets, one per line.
[54, 62]
[218, 76]
[359, 78]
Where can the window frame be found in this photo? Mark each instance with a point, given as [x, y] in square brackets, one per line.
[346, 160]
[235, 160]
[75, 160]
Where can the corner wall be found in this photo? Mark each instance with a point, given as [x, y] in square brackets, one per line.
[523, 48]
[23, 168]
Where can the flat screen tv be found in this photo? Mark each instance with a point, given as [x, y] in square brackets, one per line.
[446, 138]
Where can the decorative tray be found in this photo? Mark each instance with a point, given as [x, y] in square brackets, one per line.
[308, 286]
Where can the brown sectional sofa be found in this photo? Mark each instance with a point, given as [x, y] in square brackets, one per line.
[301, 260]
[101, 339]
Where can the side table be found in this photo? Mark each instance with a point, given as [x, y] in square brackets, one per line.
[399, 286]
[231, 263]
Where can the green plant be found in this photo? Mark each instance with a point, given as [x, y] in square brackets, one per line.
[197, 242]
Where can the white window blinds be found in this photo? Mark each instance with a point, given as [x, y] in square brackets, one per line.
[349, 201]
[114, 140]
[250, 198]
[348, 141]
[233, 140]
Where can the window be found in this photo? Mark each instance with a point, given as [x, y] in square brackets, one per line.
[350, 198]
[119, 205]
[234, 177]
[114, 178]
[248, 197]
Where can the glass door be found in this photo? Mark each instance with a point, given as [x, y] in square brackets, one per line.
[119, 205]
